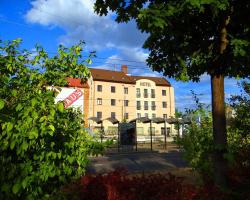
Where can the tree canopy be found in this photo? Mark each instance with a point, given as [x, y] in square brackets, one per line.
[185, 35]
[187, 38]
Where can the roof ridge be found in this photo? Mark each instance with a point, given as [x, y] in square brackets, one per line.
[149, 76]
[107, 70]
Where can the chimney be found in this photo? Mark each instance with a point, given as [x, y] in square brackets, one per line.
[124, 69]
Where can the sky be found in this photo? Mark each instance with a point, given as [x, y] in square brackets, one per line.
[53, 22]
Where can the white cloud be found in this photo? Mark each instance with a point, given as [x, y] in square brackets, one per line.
[134, 58]
[78, 20]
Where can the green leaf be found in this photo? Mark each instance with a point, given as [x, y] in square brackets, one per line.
[14, 92]
[33, 133]
[60, 107]
[19, 107]
[1, 104]
[9, 126]
[16, 188]
[52, 127]
[89, 61]
[33, 102]
[12, 144]
[24, 146]
[25, 182]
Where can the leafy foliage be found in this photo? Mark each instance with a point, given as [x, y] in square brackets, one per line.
[184, 36]
[197, 140]
[119, 185]
[198, 144]
[42, 145]
[241, 105]
[187, 38]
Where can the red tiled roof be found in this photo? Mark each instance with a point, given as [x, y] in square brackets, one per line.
[121, 77]
[77, 82]
[111, 76]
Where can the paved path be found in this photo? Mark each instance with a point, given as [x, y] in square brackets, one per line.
[137, 162]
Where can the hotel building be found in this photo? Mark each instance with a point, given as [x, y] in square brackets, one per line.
[125, 97]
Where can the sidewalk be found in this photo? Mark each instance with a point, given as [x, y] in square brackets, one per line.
[136, 162]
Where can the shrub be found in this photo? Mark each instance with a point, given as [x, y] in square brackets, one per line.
[42, 145]
[118, 185]
[198, 146]
[197, 142]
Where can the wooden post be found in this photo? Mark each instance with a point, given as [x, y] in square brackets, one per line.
[135, 136]
[165, 134]
[151, 136]
[118, 137]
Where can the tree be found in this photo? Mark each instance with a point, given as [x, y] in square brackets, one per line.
[241, 107]
[42, 145]
[187, 38]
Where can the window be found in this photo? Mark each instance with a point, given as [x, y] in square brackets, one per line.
[138, 105]
[153, 115]
[153, 105]
[152, 93]
[126, 116]
[99, 115]
[125, 90]
[145, 105]
[112, 102]
[164, 104]
[112, 130]
[153, 130]
[163, 92]
[167, 131]
[138, 93]
[99, 88]
[165, 116]
[99, 101]
[113, 89]
[146, 115]
[126, 103]
[112, 114]
[139, 131]
[138, 115]
[145, 93]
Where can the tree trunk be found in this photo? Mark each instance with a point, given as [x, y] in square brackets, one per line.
[219, 129]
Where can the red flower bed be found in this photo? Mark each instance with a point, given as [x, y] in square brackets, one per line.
[118, 185]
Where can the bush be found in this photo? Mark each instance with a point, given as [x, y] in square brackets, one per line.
[118, 185]
[42, 145]
[197, 142]
[198, 146]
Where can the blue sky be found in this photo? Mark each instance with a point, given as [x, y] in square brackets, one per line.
[53, 22]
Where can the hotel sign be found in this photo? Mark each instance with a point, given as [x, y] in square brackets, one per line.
[72, 98]
[147, 84]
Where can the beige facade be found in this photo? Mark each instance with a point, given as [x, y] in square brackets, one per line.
[125, 97]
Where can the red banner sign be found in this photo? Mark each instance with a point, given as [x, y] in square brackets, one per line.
[72, 98]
